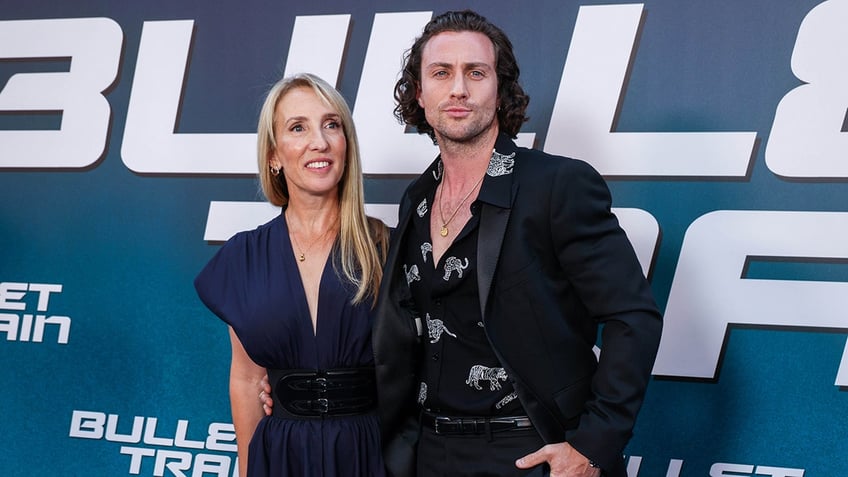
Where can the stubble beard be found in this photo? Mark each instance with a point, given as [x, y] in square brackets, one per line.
[460, 133]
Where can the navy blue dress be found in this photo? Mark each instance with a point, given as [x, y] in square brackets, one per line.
[253, 284]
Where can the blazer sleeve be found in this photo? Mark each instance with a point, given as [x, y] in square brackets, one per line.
[603, 269]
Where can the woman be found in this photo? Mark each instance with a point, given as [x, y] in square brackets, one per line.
[297, 293]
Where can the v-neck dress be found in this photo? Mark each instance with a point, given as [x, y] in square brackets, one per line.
[253, 285]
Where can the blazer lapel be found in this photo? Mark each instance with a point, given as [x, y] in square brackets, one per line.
[493, 221]
[496, 205]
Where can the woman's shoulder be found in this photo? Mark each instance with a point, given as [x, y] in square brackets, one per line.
[262, 233]
[242, 255]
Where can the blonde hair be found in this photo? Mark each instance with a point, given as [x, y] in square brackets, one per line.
[362, 240]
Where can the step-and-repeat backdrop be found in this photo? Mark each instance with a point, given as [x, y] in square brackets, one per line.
[127, 157]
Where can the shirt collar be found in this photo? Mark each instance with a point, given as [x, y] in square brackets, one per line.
[497, 185]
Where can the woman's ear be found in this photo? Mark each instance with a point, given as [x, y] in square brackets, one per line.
[273, 162]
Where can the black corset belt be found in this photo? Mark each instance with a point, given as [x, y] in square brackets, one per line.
[315, 394]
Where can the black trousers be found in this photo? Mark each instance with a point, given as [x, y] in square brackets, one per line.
[478, 455]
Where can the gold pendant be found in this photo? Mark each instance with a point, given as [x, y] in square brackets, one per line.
[302, 257]
[444, 231]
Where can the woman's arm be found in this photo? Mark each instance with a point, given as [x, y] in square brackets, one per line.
[245, 384]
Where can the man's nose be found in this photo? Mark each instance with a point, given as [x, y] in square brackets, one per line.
[458, 88]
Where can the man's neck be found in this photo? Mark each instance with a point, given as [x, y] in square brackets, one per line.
[465, 161]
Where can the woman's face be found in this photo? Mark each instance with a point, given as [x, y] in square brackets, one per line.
[311, 146]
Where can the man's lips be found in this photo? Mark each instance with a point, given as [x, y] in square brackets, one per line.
[457, 111]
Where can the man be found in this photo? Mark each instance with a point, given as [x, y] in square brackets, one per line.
[504, 263]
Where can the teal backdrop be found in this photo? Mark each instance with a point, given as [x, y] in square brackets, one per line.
[127, 156]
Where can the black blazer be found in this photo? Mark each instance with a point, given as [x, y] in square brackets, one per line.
[554, 264]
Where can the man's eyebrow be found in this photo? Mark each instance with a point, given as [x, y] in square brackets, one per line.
[465, 66]
[477, 64]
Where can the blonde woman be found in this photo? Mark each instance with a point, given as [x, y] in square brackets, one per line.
[297, 295]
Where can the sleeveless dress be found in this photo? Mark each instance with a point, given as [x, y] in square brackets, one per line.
[253, 285]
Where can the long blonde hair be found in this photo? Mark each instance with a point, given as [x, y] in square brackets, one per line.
[362, 240]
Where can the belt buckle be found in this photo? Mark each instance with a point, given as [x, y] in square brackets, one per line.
[522, 422]
[323, 405]
[440, 420]
[319, 384]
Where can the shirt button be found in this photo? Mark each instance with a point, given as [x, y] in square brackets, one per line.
[435, 357]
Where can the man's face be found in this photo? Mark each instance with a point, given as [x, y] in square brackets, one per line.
[459, 86]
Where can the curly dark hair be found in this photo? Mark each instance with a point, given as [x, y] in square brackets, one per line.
[512, 99]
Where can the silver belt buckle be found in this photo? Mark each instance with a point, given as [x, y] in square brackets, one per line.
[523, 422]
[440, 420]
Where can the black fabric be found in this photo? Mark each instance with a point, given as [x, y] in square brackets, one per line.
[452, 425]
[304, 393]
[478, 455]
[563, 267]
[460, 373]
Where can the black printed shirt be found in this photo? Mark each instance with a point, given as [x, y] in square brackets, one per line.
[460, 374]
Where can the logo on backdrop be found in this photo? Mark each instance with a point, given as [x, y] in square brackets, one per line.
[707, 268]
[710, 291]
[24, 315]
[153, 448]
[721, 469]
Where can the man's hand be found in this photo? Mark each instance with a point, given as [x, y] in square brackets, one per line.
[265, 396]
[564, 460]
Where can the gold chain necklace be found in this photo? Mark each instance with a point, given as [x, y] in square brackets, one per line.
[302, 256]
[443, 231]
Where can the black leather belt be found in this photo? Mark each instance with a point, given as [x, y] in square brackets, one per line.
[315, 394]
[446, 425]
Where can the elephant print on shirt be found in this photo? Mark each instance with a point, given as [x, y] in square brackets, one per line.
[454, 264]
